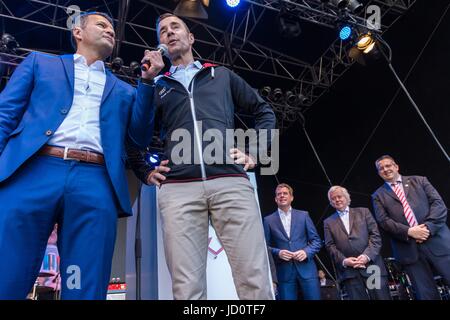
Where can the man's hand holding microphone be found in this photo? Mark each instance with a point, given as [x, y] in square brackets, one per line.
[152, 63]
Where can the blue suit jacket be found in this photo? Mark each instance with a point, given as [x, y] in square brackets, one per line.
[303, 236]
[428, 207]
[38, 97]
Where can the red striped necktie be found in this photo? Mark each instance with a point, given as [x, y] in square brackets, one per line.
[407, 211]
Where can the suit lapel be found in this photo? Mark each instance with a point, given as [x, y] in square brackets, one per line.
[280, 224]
[293, 222]
[351, 218]
[405, 182]
[388, 190]
[67, 61]
[109, 85]
[339, 222]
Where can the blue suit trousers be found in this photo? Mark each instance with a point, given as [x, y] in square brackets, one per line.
[80, 198]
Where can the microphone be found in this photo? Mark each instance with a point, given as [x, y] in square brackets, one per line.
[162, 48]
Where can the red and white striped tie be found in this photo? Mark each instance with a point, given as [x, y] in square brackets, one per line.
[407, 211]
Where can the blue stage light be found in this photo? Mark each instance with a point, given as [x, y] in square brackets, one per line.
[152, 159]
[233, 3]
[345, 32]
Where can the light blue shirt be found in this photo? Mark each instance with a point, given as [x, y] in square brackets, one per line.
[81, 127]
[286, 220]
[399, 182]
[345, 217]
[185, 74]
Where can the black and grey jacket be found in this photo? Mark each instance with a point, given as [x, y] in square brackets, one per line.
[215, 94]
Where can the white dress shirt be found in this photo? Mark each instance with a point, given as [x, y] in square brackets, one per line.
[345, 218]
[286, 220]
[81, 127]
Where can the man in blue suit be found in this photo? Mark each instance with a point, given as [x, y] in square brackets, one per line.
[63, 124]
[414, 215]
[293, 240]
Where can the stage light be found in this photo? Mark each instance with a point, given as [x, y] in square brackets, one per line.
[152, 159]
[291, 98]
[265, 92]
[233, 3]
[8, 43]
[117, 64]
[355, 6]
[288, 24]
[345, 32]
[365, 43]
[365, 49]
[303, 99]
[135, 68]
[341, 4]
[277, 94]
[192, 9]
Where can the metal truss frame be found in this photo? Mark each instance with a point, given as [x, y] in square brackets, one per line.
[233, 46]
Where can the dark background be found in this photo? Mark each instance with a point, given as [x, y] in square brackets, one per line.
[342, 121]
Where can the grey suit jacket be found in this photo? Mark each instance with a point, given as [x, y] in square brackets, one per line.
[429, 209]
[364, 238]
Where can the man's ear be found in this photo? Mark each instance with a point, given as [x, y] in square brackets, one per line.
[76, 32]
[191, 38]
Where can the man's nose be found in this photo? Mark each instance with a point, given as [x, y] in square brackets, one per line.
[169, 32]
[111, 32]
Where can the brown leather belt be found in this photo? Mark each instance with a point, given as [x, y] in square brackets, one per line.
[73, 154]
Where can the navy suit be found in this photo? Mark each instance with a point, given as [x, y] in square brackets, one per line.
[303, 235]
[429, 209]
[364, 238]
[84, 198]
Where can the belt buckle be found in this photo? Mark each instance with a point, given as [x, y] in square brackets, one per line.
[65, 157]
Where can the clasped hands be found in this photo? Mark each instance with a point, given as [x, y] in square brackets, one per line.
[420, 233]
[356, 263]
[298, 255]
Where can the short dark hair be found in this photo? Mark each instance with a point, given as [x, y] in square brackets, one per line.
[386, 156]
[167, 15]
[284, 185]
[81, 21]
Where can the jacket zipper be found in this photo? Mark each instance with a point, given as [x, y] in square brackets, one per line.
[194, 118]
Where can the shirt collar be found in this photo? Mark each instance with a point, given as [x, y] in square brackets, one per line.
[398, 181]
[196, 64]
[281, 212]
[344, 212]
[97, 65]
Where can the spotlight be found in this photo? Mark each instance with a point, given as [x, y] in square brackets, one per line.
[288, 24]
[117, 64]
[365, 43]
[8, 43]
[355, 6]
[135, 68]
[341, 4]
[291, 98]
[233, 3]
[152, 159]
[365, 49]
[265, 92]
[192, 9]
[277, 94]
[303, 99]
[345, 32]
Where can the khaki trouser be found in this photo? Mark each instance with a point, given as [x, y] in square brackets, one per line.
[235, 216]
